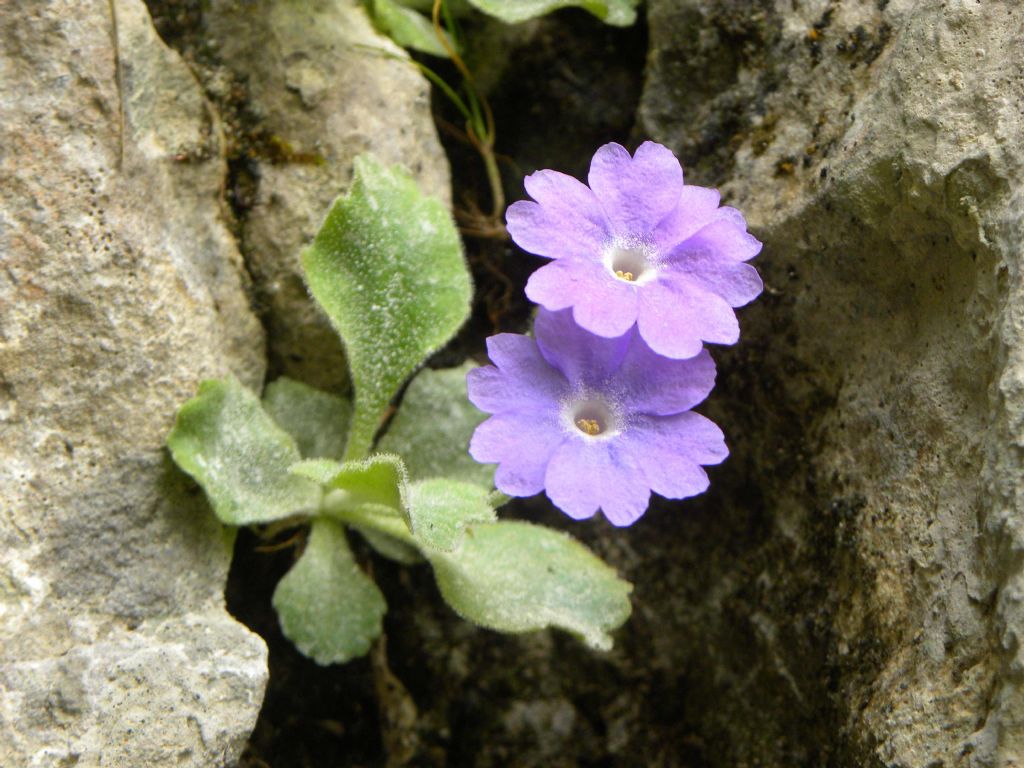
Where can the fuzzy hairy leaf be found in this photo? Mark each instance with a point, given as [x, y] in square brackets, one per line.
[387, 268]
[380, 480]
[320, 471]
[432, 428]
[518, 577]
[390, 547]
[620, 13]
[226, 441]
[317, 421]
[365, 494]
[326, 605]
[440, 509]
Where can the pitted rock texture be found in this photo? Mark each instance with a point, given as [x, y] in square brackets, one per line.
[120, 289]
[847, 593]
[322, 86]
[877, 150]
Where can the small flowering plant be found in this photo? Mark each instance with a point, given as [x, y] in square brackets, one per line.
[387, 268]
[596, 409]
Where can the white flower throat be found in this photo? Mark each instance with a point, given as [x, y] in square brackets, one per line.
[630, 262]
[592, 416]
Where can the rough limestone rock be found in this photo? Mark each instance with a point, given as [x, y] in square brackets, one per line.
[322, 87]
[120, 288]
[869, 611]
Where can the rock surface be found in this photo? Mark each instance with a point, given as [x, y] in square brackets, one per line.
[848, 593]
[877, 150]
[322, 86]
[120, 289]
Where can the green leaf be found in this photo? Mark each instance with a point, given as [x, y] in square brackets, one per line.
[440, 510]
[317, 421]
[432, 428]
[620, 13]
[226, 441]
[326, 605]
[390, 547]
[369, 495]
[407, 27]
[387, 268]
[497, 499]
[320, 471]
[518, 577]
[380, 480]
[426, 6]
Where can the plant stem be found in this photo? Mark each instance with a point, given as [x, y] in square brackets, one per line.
[494, 179]
[479, 127]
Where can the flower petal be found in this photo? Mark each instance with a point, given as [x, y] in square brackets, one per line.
[521, 445]
[728, 213]
[675, 315]
[723, 237]
[698, 207]
[608, 309]
[522, 381]
[637, 192]
[565, 194]
[584, 475]
[582, 357]
[671, 450]
[735, 281]
[558, 284]
[566, 220]
[601, 303]
[654, 384]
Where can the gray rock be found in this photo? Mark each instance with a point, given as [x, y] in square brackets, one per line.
[180, 691]
[323, 87]
[878, 149]
[120, 288]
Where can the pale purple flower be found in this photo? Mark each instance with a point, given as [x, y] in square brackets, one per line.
[594, 422]
[638, 246]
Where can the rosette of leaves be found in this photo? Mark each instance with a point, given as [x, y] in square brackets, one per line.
[388, 270]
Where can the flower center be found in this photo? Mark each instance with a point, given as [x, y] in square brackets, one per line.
[629, 262]
[592, 417]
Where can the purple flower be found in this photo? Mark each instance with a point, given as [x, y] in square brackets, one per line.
[638, 246]
[595, 422]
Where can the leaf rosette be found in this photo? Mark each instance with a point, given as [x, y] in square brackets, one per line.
[387, 268]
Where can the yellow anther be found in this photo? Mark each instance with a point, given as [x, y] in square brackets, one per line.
[624, 275]
[590, 426]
